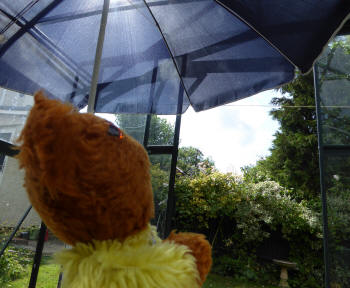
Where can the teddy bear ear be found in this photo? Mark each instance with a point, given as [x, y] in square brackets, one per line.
[39, 96]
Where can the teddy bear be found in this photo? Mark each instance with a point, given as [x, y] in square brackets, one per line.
[91, 185]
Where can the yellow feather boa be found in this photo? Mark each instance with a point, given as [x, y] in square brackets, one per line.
[141, 261]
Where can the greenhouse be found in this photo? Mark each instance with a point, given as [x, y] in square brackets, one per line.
[136, 63]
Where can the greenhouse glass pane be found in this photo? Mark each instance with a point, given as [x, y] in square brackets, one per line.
[132, 124]
[13, 205]
[160, 173]
[162, 130]
[14, 108]
[334, 96]
[334, 92]
[337, 184]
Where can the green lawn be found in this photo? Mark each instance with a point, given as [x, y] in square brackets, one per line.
[47, 278]
[216, 281]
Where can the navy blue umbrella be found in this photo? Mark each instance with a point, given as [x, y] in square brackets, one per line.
[139, 56]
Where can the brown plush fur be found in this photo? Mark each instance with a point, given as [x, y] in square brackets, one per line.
[89, 185]
[84, 183]
[200, 249]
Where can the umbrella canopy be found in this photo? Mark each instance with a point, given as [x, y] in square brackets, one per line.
[207, 52]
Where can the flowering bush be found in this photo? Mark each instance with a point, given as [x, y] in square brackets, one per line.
[248, 207]
[237, 216]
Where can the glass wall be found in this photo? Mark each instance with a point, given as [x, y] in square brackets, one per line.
[14, 203]
[333, 92]
[14, 108]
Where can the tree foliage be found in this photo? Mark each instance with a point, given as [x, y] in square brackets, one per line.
[191, 161]
[294, 154]
[161, 131]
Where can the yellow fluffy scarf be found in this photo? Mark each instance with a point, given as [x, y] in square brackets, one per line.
[141, 261]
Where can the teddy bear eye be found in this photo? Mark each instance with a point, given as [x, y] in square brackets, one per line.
[115, 131]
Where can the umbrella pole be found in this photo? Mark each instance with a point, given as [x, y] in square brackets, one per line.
[98, 56]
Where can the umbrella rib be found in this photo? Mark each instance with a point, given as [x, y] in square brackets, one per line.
[167, 46]
[18, 15]
[28, 26]
[45, 41]
[258, 32]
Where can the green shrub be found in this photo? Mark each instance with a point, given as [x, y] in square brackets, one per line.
[237, 216]
[10, 266]
[207, 202]
[246, 266]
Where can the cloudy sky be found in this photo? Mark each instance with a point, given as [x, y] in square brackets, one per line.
[234, 135]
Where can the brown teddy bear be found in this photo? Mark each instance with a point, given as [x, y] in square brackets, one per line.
[91, 185]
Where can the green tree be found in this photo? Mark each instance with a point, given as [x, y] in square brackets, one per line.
[161, 131]
[255, 173]
[294, 154]
[191, 160]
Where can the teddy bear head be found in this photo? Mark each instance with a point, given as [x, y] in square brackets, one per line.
[85, 177]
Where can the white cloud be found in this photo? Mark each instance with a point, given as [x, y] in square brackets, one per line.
[234, 135]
